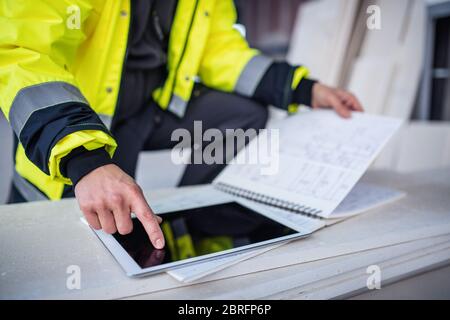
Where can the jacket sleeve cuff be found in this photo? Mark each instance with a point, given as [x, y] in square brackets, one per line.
[275, 87]
[303, 93]
[285, 86]
[81, 162]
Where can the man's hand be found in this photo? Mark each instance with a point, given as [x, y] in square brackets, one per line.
[341, 101]
[107, 196]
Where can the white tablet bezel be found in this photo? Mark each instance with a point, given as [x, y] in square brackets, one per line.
[132, 269]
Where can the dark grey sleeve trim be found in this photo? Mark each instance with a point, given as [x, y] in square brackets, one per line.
[41, 96]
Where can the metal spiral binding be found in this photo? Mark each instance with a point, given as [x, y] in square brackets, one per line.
[271, 201]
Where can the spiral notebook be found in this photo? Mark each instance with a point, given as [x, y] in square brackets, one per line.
[308, 163]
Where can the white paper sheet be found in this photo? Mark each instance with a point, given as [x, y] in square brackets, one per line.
[364, 197]
[196, 271]
[321, 158]
[200, 196]
[208, 195]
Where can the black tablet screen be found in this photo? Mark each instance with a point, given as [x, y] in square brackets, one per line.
[201, 231]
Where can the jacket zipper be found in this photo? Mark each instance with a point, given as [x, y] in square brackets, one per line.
[119, 95]
[185, 46]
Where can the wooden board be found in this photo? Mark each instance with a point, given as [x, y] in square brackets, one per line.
[418, 146]
[386, 74]
[34, 266]
[355, 43]
[394, 16]
[321, 36]
[314, 279]
[409, 66]
[370, 85]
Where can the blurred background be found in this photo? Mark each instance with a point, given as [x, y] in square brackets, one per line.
[394, 55]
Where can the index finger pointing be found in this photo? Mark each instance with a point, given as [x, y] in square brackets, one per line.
[148, 219]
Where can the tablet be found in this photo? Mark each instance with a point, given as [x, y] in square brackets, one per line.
[196, 235]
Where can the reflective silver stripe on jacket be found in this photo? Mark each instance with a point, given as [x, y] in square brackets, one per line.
[177, 106]
[38, 97]
[26, 189]
[251, 76]
[107, 120]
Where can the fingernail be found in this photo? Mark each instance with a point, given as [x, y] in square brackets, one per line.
[159, 244]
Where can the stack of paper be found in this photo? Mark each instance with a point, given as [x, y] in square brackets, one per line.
[363, 198]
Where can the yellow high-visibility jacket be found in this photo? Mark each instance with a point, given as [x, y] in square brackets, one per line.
[63, 60]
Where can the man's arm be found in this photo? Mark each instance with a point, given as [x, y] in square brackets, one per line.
[49, 114]
[286, 87]
[230, 65]
[107, 195]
